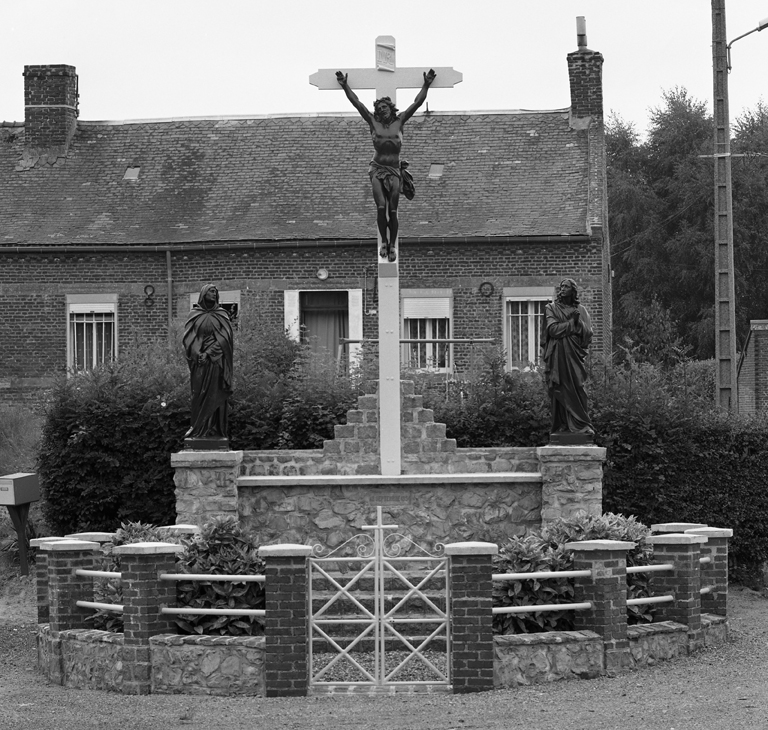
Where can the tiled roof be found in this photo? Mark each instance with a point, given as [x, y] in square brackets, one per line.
[293, 178]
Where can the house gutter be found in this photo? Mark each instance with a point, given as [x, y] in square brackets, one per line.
[262, 245]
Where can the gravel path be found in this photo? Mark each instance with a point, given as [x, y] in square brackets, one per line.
[726, 689]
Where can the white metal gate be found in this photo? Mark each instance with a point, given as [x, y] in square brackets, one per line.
[379, 619]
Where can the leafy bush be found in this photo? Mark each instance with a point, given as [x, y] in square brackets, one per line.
[109, 433]
[488, 406]
[545, 551]
[220, 548]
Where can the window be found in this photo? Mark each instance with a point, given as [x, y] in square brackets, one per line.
[228, 300]
[427, 316]
[524, 325]
[91, 330]
[325, 316]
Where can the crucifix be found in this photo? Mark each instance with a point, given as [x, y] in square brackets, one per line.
[389, 177]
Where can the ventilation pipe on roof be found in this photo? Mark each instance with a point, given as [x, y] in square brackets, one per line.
[581, 33]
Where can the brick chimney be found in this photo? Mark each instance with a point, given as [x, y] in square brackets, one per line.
[50, 105]
[585, 72]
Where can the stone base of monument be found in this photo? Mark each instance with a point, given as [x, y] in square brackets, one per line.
[206, 444]
[566, 438]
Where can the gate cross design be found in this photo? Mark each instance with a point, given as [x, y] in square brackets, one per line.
[375, 624]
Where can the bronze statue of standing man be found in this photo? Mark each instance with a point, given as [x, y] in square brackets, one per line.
[388, 173]
[566, 339]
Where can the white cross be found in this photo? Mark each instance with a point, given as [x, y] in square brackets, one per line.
[386, 78]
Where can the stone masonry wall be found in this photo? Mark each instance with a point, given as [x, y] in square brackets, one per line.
[428, 513]
[547, 657]
[208, 665]
[313, 462]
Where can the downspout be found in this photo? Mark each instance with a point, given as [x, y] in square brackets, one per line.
[169, 277]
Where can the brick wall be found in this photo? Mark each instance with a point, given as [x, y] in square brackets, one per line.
[50, 99]
[34, 287]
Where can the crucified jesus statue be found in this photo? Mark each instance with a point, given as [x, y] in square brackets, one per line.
[388, 173]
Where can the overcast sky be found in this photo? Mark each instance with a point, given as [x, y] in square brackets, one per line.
[158, 59]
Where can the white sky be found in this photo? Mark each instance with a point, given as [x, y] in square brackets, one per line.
[149, 59]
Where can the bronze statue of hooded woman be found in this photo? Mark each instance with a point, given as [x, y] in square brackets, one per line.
[208, 344]
[566, 340]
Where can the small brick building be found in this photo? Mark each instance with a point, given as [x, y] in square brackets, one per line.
[109, 229]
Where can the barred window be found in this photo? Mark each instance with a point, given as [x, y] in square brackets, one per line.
[92, 331]
[427, 318]
[525, 325]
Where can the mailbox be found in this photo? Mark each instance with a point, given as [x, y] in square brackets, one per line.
[18, 489]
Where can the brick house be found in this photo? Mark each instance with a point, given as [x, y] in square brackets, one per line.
[109, 229]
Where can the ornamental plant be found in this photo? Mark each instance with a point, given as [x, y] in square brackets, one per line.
[220, 548]
[545, 551]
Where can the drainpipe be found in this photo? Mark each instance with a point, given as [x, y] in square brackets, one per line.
[169, 276]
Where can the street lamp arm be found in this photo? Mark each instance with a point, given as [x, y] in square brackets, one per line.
[760, 26]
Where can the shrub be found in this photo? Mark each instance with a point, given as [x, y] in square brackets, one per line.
[104, 456]
[545, 551]
[490, 407]
[220, 548]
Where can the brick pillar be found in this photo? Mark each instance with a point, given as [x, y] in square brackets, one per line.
[471, 570]
[65, 588]
[606, 590]
[572, 481]
[206, 484]
[286, 628]
[143, 595]
[41, 576]
[684, 582]
[715, 573]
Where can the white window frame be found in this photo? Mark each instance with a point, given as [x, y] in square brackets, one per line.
[292, 315]
[90, 304]
[413, 300]
[523, 294]
[225, 297]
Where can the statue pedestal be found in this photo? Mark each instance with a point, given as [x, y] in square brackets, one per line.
[572, 481]
[206, 444]
[566, 438]
[206, 485]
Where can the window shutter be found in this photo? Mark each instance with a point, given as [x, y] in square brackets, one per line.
[426, 308]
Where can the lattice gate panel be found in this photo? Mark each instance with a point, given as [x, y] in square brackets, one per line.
[379, 619]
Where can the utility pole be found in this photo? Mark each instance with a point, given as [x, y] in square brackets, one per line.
[726, 385]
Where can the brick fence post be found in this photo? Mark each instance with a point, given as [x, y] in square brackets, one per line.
[606, 590]
[471, 589]
[716, 573]
[286, 667]
[41, 576]
[683, 582]
[65, 588]
[141, 564]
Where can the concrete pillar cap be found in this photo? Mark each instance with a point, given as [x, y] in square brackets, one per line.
[675, 538]
[147, 548]
[284, 551]
[92, 536]
[590, 545]
[711, 531]
[471, 548]
[676, 526]
[180, 529]
[38, 541]
[65, 545]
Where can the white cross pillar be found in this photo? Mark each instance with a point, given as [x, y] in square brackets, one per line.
[386, 78]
